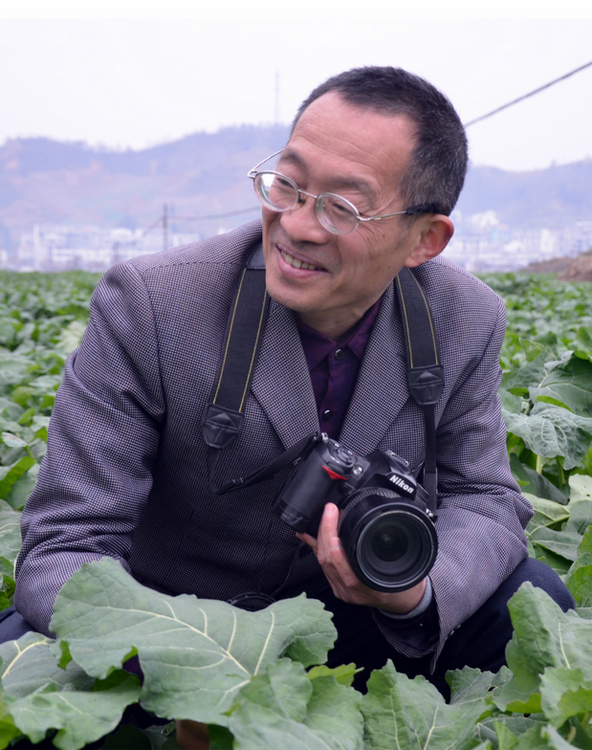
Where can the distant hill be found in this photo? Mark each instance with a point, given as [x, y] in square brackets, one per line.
[45, 181]
[527, 200]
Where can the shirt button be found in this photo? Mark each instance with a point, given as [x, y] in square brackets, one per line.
[339, 354]
[327, 414]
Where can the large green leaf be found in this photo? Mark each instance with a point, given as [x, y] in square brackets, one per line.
[551, 431]
[544, 636]
[10, 531]
[409, 714]
[29, 665]
[564, 543]
[195, 654]
[565, 693]
[569, 383]
[520, 380]
[41, 696]
[81, 717]
[546, 512]
[282, 708]
[534, 483]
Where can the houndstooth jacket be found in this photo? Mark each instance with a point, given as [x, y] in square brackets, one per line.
[127, 473]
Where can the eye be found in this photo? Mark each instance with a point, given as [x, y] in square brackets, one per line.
[338, 206]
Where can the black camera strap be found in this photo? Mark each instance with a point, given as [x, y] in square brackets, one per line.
[223, 418]
[425, 373]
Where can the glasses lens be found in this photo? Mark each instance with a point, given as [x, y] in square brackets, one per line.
[275, 191]
[336, 214]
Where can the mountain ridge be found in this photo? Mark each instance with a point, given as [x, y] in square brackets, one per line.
[43, 181]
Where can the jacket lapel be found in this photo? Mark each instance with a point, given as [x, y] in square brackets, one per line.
[281, 383]
[381, 389]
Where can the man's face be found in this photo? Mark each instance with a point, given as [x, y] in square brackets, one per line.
[331, 280]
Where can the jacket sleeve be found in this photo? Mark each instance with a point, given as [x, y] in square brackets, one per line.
[103, 439]
[481, 513]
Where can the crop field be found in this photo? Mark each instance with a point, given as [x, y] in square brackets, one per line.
[257, 679]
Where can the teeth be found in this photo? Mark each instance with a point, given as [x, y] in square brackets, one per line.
[297, 263]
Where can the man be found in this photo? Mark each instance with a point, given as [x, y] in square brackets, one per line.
[373, 167]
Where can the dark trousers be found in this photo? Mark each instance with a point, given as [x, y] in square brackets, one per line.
[479, 642]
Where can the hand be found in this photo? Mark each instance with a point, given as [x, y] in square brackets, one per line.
[344, 582]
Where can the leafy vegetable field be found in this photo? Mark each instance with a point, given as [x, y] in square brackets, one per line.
[258, 679]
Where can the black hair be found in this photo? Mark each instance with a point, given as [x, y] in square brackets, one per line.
[438, 164]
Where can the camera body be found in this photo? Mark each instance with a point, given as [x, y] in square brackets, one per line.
[386, 527]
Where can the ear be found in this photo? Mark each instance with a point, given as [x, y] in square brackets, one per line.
[435, 231]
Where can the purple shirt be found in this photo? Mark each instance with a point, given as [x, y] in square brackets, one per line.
[334, 369]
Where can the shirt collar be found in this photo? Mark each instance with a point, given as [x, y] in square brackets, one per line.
[317, 346]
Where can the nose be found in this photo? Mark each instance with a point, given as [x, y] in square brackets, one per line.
[301, 223]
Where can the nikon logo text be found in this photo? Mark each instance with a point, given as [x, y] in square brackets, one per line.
[401, 484]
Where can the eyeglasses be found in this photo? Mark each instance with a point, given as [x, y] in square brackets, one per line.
[280, 193]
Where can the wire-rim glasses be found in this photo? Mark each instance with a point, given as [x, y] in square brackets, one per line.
[280, 193]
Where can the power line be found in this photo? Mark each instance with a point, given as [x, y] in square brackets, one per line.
[209, 217]
[525, 96]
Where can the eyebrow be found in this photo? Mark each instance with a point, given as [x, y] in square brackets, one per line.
[341, 183]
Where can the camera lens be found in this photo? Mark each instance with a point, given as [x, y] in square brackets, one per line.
[390, 542]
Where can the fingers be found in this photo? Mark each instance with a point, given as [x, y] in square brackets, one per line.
[344, 582]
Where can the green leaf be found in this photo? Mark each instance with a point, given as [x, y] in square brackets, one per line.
[534, 483]
[81, 717]
[11, 474]
[554, 739]
[564, 543]
[282, 708]
[13, 441]
[185, 645]
[544, 636]
[10, 531]
[344, 674]
[564, 694]
[580, 585]
[408, 714]
[580, 488]
[569, 383]
[551, 431]
[29, 665]
[42, 696]
[520, 380]
[546, 512]
[8, 730]
[502, 730]
[22, 488]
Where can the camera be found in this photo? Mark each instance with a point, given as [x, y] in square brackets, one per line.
[386, 527]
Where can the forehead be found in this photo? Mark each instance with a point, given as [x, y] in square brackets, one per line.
[354, 146]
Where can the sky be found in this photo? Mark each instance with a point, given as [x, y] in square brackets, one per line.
[111, 79]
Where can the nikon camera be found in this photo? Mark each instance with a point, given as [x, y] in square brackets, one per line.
[386, 528]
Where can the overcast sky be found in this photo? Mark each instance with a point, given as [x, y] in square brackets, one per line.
[135, 83]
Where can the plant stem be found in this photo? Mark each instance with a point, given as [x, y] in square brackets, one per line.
[560, 473]
[539, 464]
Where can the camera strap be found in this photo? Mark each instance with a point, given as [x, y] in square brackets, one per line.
[224, 415]
[425, 373]
[223, 418]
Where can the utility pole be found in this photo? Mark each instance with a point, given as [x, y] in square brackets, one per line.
[165, 227]
[277, 96]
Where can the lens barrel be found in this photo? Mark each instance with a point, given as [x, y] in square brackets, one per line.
[390, 542]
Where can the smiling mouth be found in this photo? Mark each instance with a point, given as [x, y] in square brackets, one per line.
[292, 261]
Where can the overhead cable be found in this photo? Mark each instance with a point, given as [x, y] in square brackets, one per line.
[525, 96]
